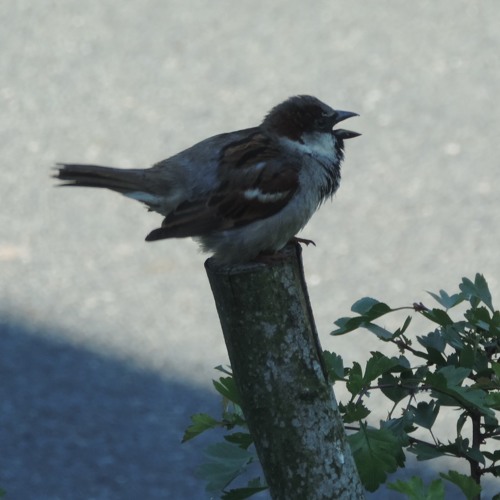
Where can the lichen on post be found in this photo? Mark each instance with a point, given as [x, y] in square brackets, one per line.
[277, 365]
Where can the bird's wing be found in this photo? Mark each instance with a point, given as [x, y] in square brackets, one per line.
[257, 181]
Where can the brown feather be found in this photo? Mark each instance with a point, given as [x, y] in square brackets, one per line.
[246, 194]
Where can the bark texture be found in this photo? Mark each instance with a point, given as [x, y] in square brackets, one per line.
[277, 364]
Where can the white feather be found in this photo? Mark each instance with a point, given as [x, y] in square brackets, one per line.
[320, 145]
[257, 194]
[148, 198]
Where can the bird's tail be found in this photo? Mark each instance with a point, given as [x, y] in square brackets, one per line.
[151, 186]
[116, 179]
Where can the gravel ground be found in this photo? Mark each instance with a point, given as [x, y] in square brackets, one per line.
[107, 344]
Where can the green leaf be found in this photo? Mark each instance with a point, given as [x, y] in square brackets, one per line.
[452, 334]
[459, 447]
[447, 301]
[377, 365]
[426, 413]
[377, 452]
[405, 326]
[434, 344]
[398, 388]
[447, 381]
[365, 305]
[483, 290]
[433, 340]
[477, 291]
[226, 386]
[242, 439]
[495, 324]
[425, 451]
[494, 456]
[346, 325]
[414, 489]
[435, 491]
[225, 462]
[403, 362]
[496, 368]
[353, 412]
[454, 376]
[354, 382]
[468, 486]
[438, 316]
[334, 365]
[380, 332]
[467, 357]
[377, 310]
[480, 318]
[493, 400]
[400, 427]
[390, 385]
[476, 455]
[253, 487]
[368, 309]
[231, 419]
[491, 425]
[200, 423]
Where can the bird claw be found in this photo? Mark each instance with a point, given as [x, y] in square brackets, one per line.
[295, 239]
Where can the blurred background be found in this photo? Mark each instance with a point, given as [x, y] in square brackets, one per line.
[107, 344]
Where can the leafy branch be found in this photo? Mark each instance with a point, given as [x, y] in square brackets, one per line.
[454, 367]
[458, 369]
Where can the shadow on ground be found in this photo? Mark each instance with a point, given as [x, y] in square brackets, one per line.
[74, 424]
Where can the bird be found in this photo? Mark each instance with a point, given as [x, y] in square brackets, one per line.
[241, 194]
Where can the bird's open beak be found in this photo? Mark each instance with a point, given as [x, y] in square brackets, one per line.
[341, 133]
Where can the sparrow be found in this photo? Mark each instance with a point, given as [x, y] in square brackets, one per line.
[243, 193]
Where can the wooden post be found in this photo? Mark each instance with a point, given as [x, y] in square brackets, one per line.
[277, 365]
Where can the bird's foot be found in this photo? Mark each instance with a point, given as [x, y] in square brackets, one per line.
[295, 239]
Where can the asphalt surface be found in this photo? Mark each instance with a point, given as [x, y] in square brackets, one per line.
[107, 344]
